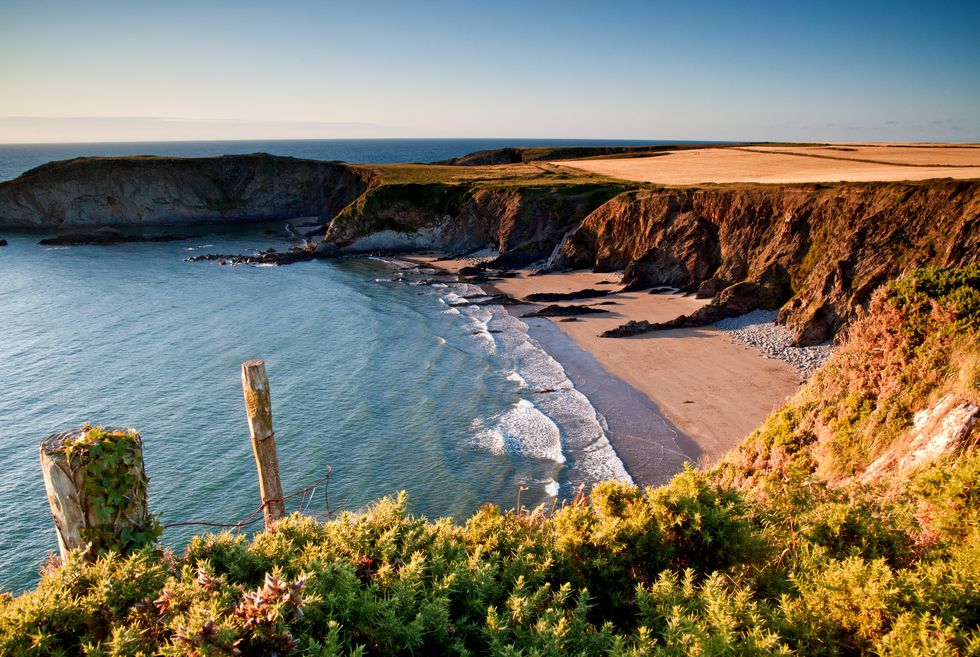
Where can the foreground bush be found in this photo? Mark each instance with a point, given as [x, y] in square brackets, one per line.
[690, 568]
[781, 550]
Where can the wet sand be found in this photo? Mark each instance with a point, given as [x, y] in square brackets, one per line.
[712, 390]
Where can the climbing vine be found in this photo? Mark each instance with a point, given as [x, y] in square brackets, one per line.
[110, 467]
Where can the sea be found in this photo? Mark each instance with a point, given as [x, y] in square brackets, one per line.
[376, 377]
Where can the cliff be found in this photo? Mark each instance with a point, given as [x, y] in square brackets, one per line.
[170, 190]
[524, 223]
[902, 393]
[814, 251]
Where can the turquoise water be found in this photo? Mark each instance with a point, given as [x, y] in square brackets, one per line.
[383, 381]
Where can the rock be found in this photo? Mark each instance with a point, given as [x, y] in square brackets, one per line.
[564, 311]
[937, 431]
[566, 296]
[839, 241]
[105, 236]
[94, 191]
[769, 290]
[326, 250]
[3, 242]
[628, 329]
[492, 300]
[295, 254]
[710, 288]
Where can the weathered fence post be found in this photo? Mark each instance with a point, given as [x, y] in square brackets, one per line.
[96, 487]
[258, 407]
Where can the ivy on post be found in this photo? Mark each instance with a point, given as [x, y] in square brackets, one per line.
[258, 408]
[96, 486]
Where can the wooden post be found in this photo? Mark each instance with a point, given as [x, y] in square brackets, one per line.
[83, 518]
[258, 407]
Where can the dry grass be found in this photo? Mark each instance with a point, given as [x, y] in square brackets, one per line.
[792, 164]
[503, 175]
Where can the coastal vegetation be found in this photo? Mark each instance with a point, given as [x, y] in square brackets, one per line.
[818, 536]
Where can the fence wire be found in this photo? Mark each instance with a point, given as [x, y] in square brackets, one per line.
[306, 495]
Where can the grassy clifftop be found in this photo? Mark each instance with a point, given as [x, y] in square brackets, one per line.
[784, 549]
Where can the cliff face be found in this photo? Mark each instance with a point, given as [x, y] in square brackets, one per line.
[167, 190]
[814, 251]
[523, 223]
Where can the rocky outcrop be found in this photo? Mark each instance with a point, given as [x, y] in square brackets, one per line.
[940, 430]
[815, 251]
[571, 310]
[268, 257]
[589, 293]
[169, 190]
[523, 223]
[106, 236]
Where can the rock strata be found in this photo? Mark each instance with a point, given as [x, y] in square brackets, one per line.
[815, 252]
[172, 190]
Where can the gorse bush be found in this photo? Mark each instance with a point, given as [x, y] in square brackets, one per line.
[919, 340]
[689, 568]
[777, 551]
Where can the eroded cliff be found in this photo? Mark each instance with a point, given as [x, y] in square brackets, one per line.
[814, 251]
[171, 190]
[524, 223]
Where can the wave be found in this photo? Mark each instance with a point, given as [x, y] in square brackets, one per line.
[552, 417]
[523, 431]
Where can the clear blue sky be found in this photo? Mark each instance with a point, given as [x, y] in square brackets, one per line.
[645, 70]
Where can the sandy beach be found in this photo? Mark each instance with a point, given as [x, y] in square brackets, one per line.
[713, 389]
[793, 164]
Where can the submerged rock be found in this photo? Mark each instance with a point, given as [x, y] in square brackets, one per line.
[270, 257]
[104, 236]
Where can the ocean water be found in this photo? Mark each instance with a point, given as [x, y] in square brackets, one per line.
[384, 381]
[15, 159]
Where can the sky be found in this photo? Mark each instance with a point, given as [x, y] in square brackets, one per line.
[709, 70]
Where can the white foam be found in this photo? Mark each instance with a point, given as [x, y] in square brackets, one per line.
[524, 431]
[552, 420]
[552, 488]
[440, 339]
